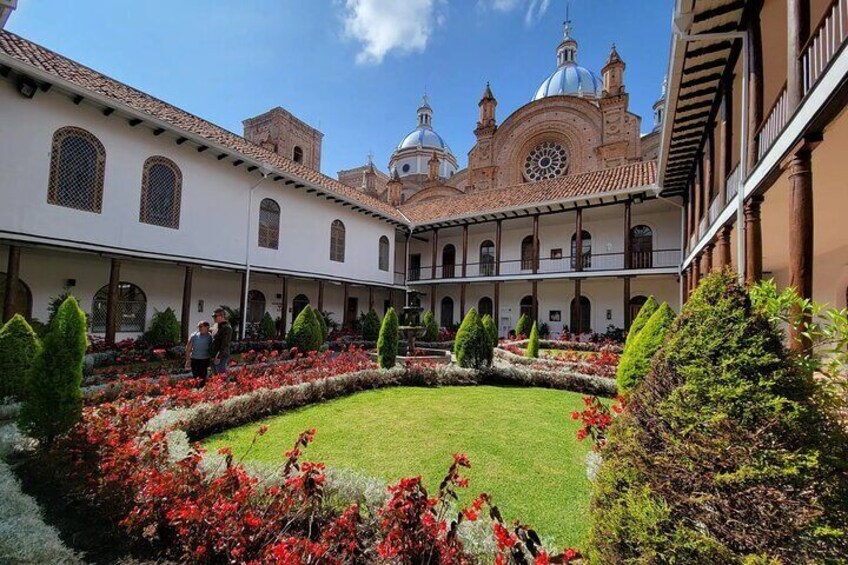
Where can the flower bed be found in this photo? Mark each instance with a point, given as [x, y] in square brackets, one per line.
[602, 364]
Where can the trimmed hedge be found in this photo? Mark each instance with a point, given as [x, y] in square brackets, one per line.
[53, 396]
[164, 329]
[472, 346]
[306, 334]
[645, 312]
[725, 453]
[431, 327]
[371, 326]
[524, 326]
[533, 343]
[636, 359]
[18, 345]
[388, 341]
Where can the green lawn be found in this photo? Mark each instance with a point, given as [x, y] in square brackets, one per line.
[521, 442]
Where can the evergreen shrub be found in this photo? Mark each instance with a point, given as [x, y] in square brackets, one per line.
[371, 326]
[472, 345]
[164, 329]
[387, 342]
[431, 327]
[645, 312]
[18, 345]
[533, 343]
[267, 327]
[305, 333]
[636, 359]
[323, 324]
[491, 330]
[524, 326]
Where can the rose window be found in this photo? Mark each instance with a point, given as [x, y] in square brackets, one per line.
[547, 161]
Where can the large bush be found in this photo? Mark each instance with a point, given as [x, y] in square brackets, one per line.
[636, 359]
[724, 454]
[305, 333]
[387, 342]
[533, 343]
[53, 400]
[324, 322]
[267, 327]
[431, 327]
[18, 345]
[491, 330]
[371, 326]
[164, 329]
[472, 346]
[645, 312]
[524, 326]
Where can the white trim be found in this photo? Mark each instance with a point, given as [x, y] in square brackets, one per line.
[549, 276]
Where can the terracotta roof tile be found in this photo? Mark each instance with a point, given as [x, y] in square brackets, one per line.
[34, 55]
[567, 187]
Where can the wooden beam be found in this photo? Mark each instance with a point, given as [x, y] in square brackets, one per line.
[181, 140]
[202, 148]
[13, 268]
[112, 301]
[222, 156]
[252, 168]
[134, 122]
[78, 99]
[158, 131]
[108, 111]
[237, 162]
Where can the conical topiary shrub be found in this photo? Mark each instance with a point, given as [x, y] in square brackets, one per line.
[53, 396]
[18, 345]
[305, 333]
[491, 330]
[724, 454]
[371, 326]
[645, 312]
[431, 327]
[533, 343]
[472, 346]
[387, 342]
[523, 327]
[321, 318]
[636, 359]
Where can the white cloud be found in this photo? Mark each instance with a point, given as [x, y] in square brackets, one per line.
[382, 26]
[533, 9]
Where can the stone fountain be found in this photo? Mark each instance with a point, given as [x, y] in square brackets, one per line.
[412, 329]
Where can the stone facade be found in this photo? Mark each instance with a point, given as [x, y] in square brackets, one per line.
[278, 130]
[356, 178]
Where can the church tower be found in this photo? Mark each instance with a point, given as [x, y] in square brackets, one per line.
[620, 145]
[480, 159]
[280, 131]
[394, 189]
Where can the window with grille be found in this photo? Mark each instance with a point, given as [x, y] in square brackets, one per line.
[161, 193]
[269, 224]
[384, 253]
[132, 309]
[255, 306]
[527, 258]
[77, 168]
[587, 250]
[487, 258]
[337, 241]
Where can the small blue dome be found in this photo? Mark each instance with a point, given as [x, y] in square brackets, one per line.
[423, 136]
[570, 79]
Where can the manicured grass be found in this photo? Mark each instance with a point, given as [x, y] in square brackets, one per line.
[521, 442]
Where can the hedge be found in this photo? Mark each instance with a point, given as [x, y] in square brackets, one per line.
[636, 359]
[164, 329]
[371, 326]
[388, 340]
[431, 327]
[18, 345]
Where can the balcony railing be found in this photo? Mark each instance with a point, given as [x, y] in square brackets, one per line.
[715, 208]
[773, 125]
[732, 184]
[400, 278]
[824, 42]
[702, 227]
[593, 262]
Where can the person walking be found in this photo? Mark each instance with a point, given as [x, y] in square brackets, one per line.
[199, 352]
[221, 343]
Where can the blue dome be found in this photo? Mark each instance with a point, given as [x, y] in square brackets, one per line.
[572, 80]
[423, 136]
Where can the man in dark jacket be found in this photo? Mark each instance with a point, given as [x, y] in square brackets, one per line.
[221, 343]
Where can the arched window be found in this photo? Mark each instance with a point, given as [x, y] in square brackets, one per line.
[269, 224]
[21, 301]
[255, 306]
[485, 306]
[297, 154]
[446, 318]
[298, 304]
[161, 193]
[525, 307]
[448, 262]
[337, 241]
[132, 309]
[587, 250]
[487, 259]
[527, 258]
[384, 253]
[636, 304]
[641, 247]
[582, 324]
[77, 168]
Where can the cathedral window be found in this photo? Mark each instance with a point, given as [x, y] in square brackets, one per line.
[297, 154]
[547, 160]
[77, 169]
[269, 224]
[337, 241]
[161, 190]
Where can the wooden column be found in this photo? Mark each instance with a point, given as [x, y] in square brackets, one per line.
[696, 271]
[699, 198]
[345, 297]
[405, 259]
[578, 245]
[628, 252]
[462, 300]
[755, 86]
[284, 307]
[185, 320]
[722, 258]
[707, 259]
[801, 232]
[687, 223]
[753, 240]
[535, 310]
[535, 244]
[578, 308]
[496, 304]
[112, 301]
[684, 281]
[498, 230]
[433, 299]
[726, 140]
[464, 249]
[798, 31]
[435, 253]
[371, 298]
[627, 320]
[13, 272]
[321, 296]
[242, 307]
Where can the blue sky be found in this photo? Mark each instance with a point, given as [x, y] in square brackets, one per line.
[356, 69]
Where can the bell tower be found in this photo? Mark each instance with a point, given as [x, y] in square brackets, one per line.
[481, 167]
[620, 134]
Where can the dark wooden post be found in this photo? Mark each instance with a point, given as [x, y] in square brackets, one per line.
[535, 307]
[185, 321]
[464, 249]
[801, 233]
[370, 298]
[112, 301]
[627, 320]
[708, 259]
[696, 271]
[798, 31]
[699, 198]
[13, 275]
[578, 308]
[498, 230]
[462, 300]
[755, 86]
[687, 224]
[753, 240]
[284, 308]
[578, 246]
[345, 321]
[496, 304]
[405, 259]
[433, 299]
[435, 253]
[321, 296]
[628, 251]
[722, 258]
[535, 244]
[726, 140]
[684, 281]
[710, 168]
[242, 307]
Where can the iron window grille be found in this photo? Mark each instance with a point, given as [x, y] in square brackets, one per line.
[384, 253]
[269, 224]
[161, 193]
[132, 309]
[77, 170]
[337, 241]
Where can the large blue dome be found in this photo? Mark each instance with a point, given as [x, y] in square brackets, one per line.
[570, 79]
[423, 136]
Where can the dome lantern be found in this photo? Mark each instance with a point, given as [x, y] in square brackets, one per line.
[569, 78]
